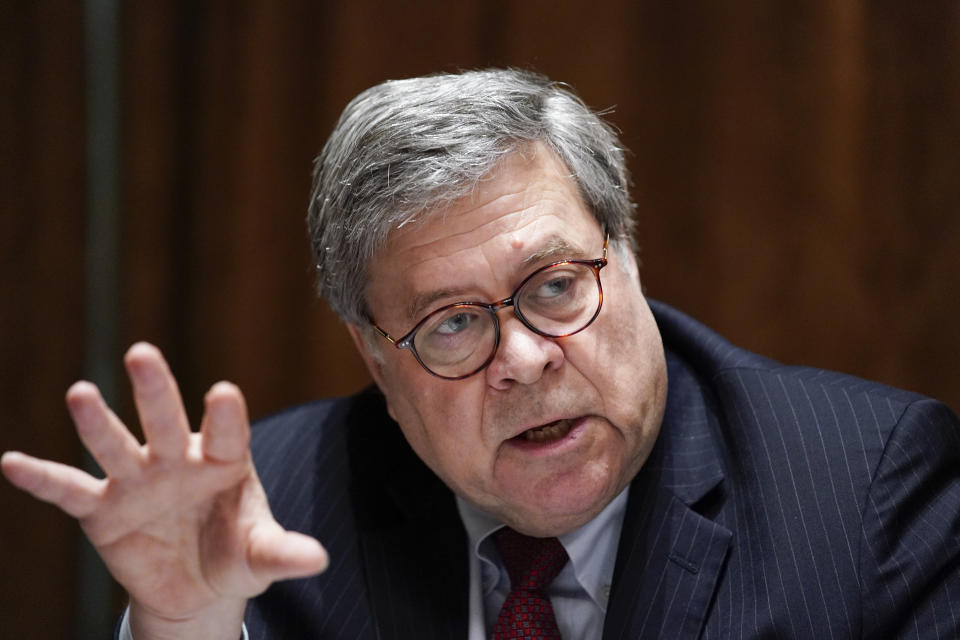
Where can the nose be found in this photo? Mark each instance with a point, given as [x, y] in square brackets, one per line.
[523, 356]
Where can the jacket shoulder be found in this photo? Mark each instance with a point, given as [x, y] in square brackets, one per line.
[715, 360]
[772, 416]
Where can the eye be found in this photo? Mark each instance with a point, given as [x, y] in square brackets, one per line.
[452, 334]
[455, 323]
[554, 287]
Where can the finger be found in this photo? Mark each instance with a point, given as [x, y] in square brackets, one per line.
[275, 554]
[225, 428]
[74, 491]
[158, 402]
[106, 438]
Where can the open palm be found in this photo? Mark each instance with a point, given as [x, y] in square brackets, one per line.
[181, 521]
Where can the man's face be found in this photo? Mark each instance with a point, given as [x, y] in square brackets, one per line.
[603, 389]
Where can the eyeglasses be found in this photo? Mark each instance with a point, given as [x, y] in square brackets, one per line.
[460, 339]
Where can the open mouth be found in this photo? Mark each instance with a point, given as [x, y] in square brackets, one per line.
[548, 432]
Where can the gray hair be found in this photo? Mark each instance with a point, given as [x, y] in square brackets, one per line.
[407, 147]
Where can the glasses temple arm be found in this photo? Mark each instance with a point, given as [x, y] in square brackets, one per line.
[383, 333]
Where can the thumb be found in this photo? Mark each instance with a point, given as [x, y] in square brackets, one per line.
[275, 554]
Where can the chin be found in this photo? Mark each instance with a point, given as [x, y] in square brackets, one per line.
[563, 506]
[543, 524]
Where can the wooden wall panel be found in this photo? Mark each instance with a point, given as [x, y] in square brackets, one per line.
[41, 294]
[795, 170]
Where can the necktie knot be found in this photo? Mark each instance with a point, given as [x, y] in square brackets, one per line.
[532, 563]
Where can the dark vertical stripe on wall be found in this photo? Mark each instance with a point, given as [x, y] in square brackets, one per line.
[95, 617]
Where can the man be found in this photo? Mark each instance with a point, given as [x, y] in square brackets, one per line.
[541, 452]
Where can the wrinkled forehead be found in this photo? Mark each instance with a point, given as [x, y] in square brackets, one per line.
[527, 213]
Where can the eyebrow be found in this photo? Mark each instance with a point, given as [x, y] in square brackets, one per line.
[555, 248]
[421, 301]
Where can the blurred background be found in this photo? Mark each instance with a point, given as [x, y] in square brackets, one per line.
[796, 168]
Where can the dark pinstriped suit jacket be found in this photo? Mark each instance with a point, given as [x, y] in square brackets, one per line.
[779, 502]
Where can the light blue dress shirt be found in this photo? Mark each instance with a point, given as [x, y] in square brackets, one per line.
[579, 593]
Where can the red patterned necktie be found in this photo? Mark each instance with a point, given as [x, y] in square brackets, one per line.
[532, 563]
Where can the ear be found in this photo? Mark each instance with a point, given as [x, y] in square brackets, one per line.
[374, 366]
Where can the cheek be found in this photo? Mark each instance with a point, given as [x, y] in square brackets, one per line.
[440, 419]
[630, 358]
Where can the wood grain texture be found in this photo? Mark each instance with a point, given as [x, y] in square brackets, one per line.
[795, 170]
[42, 196]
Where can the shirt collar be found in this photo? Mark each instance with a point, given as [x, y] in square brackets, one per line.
[592, 547]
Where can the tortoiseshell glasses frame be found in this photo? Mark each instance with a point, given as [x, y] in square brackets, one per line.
[459, 340]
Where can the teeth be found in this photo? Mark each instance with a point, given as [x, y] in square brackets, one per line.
[551, 431]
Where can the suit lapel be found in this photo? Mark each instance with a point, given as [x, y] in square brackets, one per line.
[668, 565]
[412, 541]
[671, 554]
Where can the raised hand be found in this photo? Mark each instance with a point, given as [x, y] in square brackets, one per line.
[182, 521]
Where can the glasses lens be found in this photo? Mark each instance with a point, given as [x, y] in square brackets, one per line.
[561, 299]
[454, 341]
